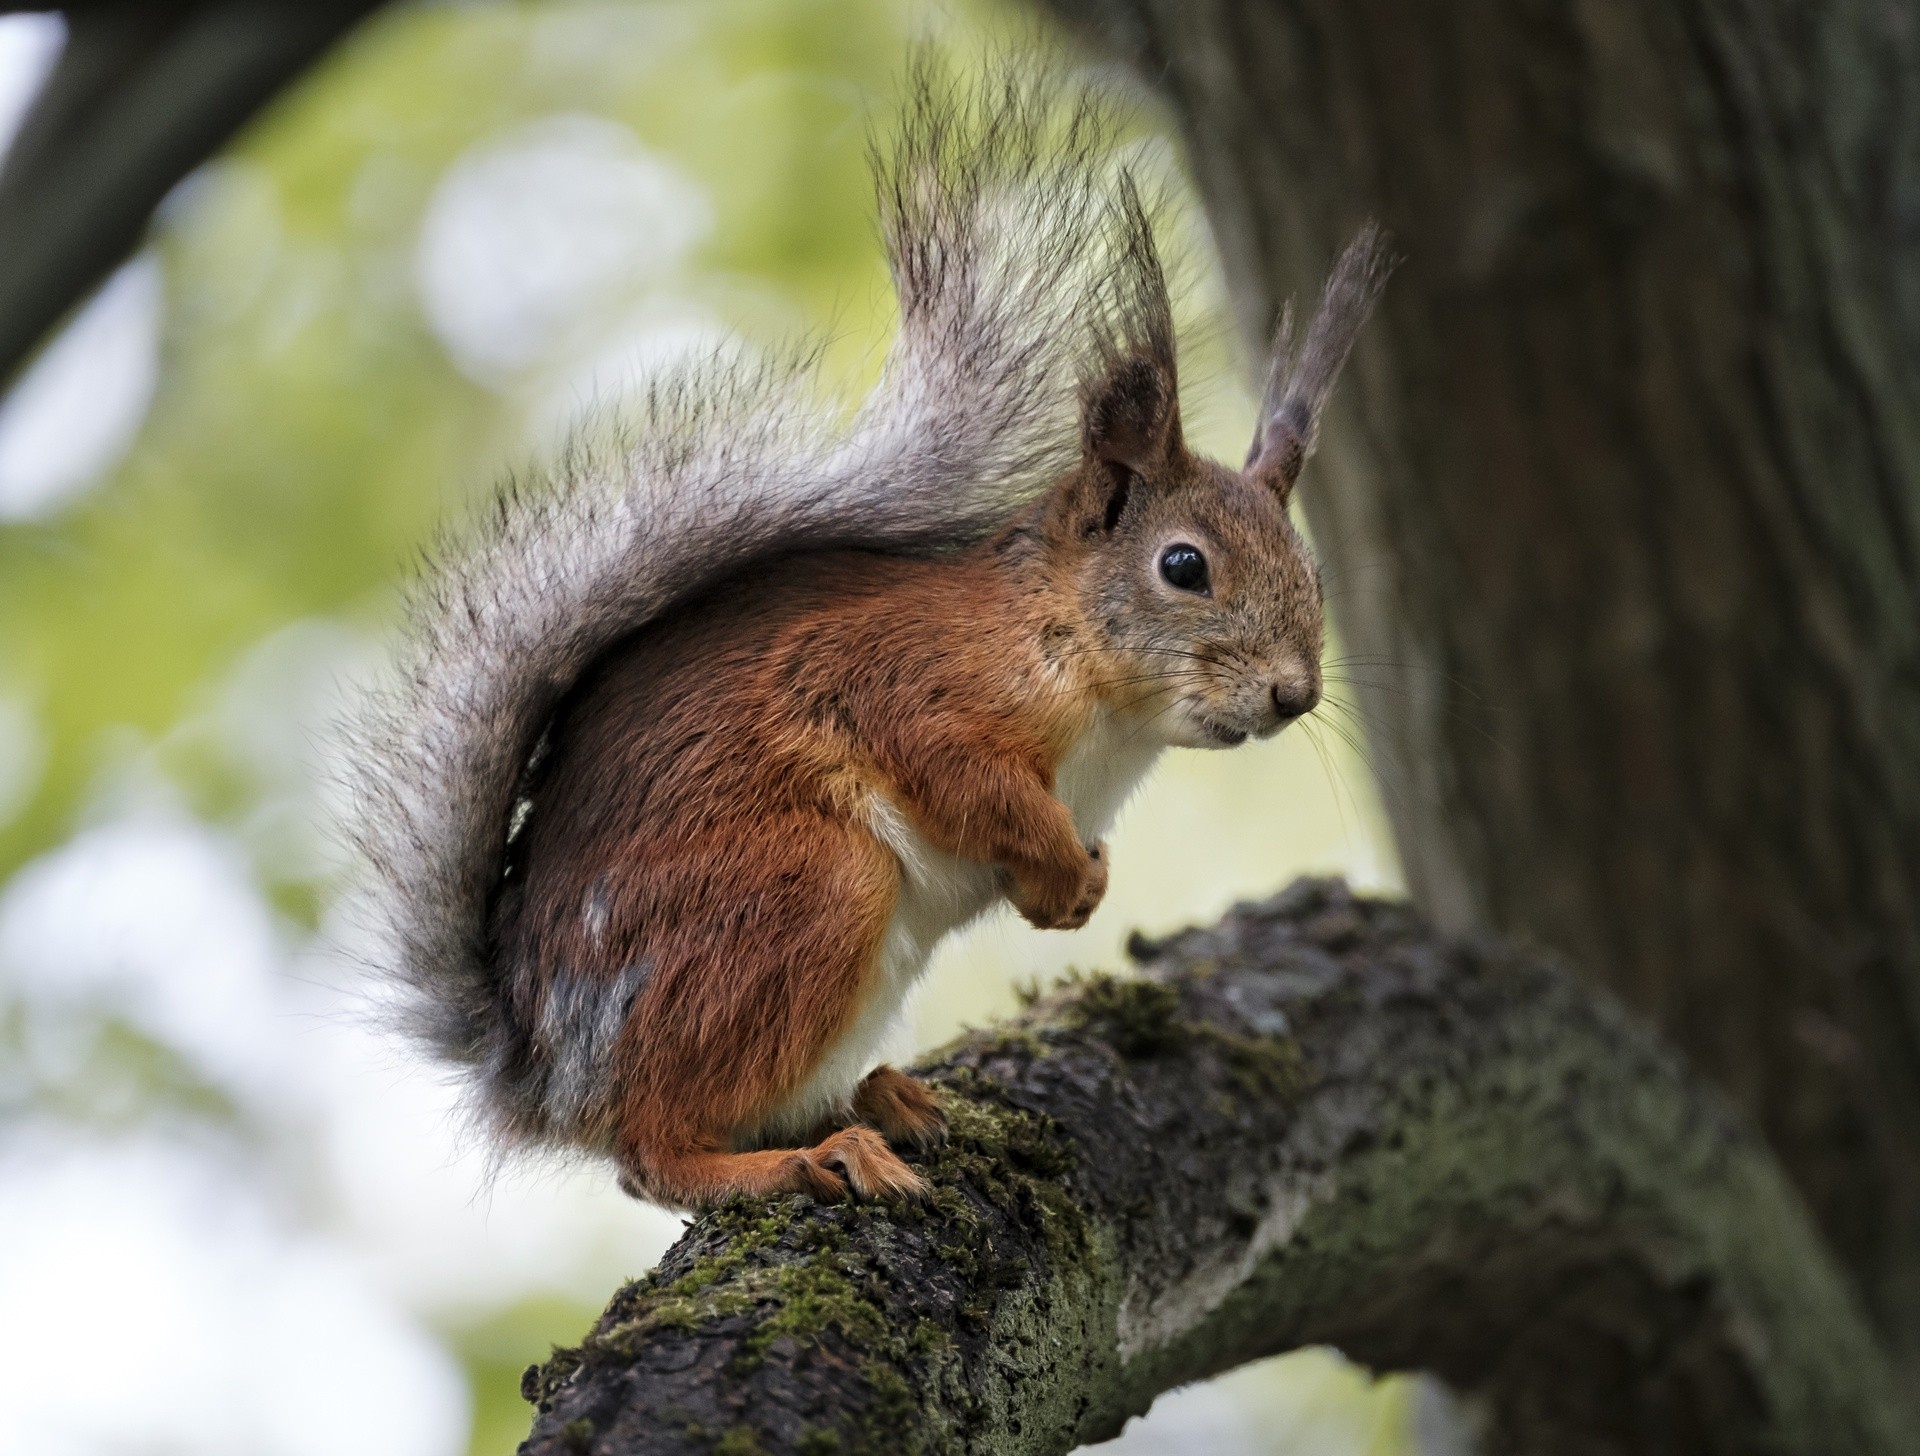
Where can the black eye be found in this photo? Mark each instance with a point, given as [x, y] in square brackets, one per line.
[1183, 566]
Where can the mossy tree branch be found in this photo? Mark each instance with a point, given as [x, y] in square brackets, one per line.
[1317, 1122]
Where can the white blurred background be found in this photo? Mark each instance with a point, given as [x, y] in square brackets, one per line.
[471, 223]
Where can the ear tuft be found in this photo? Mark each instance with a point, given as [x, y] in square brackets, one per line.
[1300, 380]
[1130, 417]
[1130, 395]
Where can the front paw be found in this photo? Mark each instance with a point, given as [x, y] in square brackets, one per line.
[1065, 901]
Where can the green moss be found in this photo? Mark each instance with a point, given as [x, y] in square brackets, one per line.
[1016, 1040]
[818, 1441]
[715, 1287]
[739, 1441]
[1137, 1017]
[538, 1382]
[577, 1433]
[1014, 1161]
[891, 1413]
[811, 1298]
[928, 1340]
[1262, 1066]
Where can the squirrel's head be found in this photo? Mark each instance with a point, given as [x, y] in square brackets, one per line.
[1200, 603]
[1201, 606]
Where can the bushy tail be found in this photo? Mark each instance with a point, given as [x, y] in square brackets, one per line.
[1007, 226]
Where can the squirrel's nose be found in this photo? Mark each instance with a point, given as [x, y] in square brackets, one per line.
[1292, 700]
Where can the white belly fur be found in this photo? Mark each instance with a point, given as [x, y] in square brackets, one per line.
[938, 895]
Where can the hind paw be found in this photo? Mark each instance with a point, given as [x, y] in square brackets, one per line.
[871, 1168]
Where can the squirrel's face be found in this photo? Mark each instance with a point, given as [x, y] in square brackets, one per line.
[1200, 601]
[1203, 606]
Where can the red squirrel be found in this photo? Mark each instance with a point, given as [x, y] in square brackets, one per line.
[699, 748]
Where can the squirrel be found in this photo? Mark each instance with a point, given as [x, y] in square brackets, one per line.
[696, 748]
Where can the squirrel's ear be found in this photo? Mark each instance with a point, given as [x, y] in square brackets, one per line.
[1299, 381]
[1130, 430]
[1131, 415]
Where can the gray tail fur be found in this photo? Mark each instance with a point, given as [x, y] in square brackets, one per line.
[1021, 255]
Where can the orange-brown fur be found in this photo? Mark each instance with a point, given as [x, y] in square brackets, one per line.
[713, 771]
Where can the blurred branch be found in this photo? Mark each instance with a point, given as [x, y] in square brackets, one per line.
[143, 93]
[1316, 1123]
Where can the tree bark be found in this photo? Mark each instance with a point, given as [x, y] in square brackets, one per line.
[1315, 1123]
[1621, 503]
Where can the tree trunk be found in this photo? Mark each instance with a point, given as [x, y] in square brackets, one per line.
[1621, 503]
[1316, 1123]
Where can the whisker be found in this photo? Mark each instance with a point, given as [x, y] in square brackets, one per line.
[1334, 783]
[1389, 785]
[1452, 714]
[1396, 665]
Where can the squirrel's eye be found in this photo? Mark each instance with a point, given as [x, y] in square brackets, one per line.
[1183, 566]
